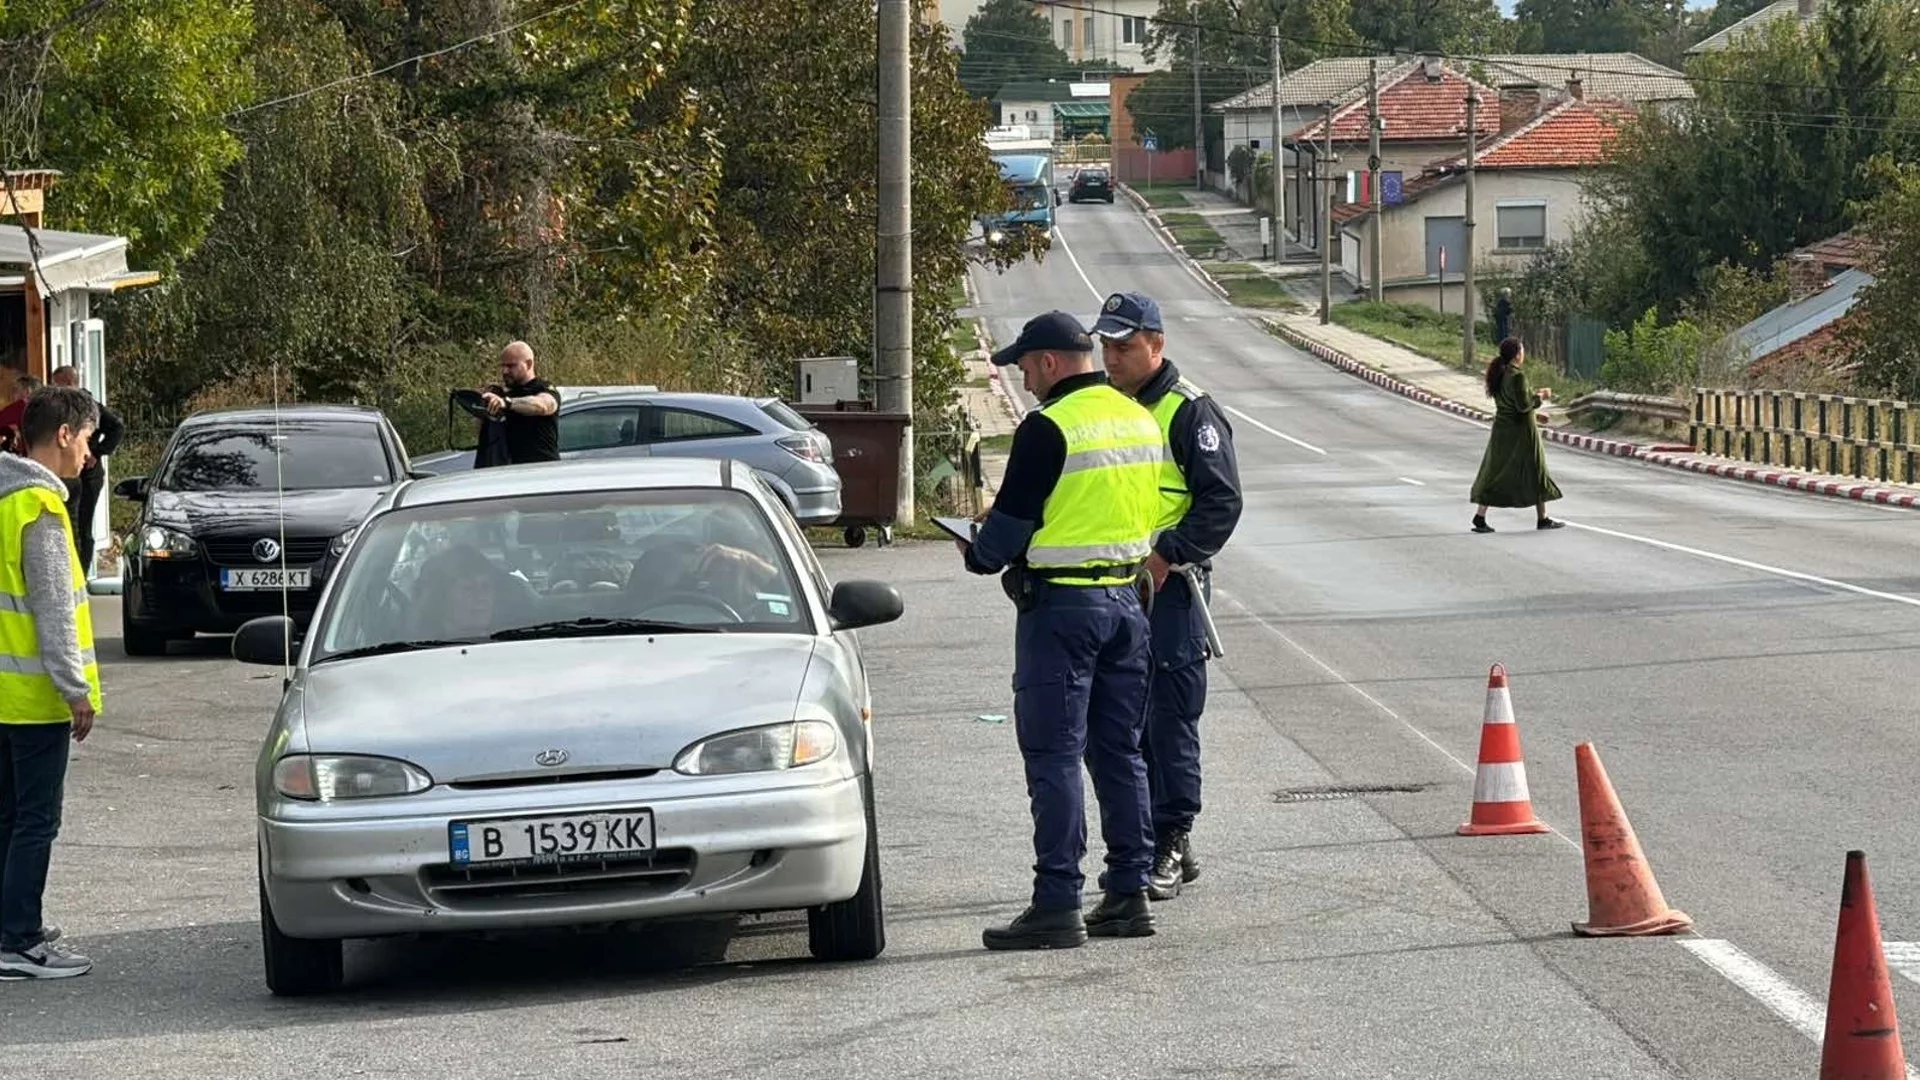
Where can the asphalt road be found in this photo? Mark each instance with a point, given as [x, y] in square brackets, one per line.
[1756, 725]
[1743, 658]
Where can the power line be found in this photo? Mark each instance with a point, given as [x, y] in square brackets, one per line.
[396, 65]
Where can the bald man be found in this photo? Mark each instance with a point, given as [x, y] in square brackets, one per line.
[528, 411]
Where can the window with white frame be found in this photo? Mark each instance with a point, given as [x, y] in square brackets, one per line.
[1087, 23]
[1066, 32]
[1521, 225]
[1133, 29]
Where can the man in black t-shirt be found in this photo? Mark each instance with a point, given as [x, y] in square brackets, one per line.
[528, 412]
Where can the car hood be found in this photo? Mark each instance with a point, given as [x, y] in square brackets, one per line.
[330, 511]
[614, 703]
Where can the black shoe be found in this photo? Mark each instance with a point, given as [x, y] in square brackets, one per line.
[1480, 524]
[1035, 928]
[1121, 915]
[1549, 523]
[1189, 863]
[1164, 879]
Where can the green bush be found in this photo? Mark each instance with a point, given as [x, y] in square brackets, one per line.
[1648, 358]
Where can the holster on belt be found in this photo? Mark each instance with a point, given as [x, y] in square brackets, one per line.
[1021, 587]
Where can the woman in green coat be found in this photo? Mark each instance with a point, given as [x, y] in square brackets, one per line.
[1513, 472]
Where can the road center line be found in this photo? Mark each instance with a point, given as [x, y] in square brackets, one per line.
[1274, 432]
[1411, 480]
[1747, 564]
[1060, 237]
[1763, 984]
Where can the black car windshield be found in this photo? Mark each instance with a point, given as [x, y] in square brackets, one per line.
[570, 565]
[310, 456]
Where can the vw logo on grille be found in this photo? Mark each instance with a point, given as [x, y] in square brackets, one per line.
[550, 758]
[266, 549]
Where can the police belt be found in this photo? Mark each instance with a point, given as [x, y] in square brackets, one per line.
[1073, 573]
[1022, 582]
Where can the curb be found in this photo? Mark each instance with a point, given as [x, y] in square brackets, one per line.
[994, 378]
[1166, 237]
[1594, 444]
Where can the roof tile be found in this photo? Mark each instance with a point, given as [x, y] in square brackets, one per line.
[1415, 109]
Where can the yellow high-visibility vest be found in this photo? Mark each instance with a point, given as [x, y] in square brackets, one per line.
[27, 692]
[1100, 516]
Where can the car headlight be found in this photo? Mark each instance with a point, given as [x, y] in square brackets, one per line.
[776, 746]
[996, 236]
[159, 542]
[329, 777]
[342, 542]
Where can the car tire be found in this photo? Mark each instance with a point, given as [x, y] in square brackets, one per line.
[141, 640]
[1109, 200]
[297, 967]
[854, 928]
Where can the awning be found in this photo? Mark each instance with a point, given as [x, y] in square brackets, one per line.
[70, 261]
[1082, 110]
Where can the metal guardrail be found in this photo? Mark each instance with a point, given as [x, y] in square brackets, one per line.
[1868, 438]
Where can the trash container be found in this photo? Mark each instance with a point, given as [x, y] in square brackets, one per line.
[866, 454]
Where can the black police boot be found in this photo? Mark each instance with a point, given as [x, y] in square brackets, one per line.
[1189, 863]
[1037, 928]
[1121, 915]
[1163, 880]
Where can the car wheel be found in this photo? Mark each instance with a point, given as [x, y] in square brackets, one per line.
[298, 966]
[1109, 200]
[141, 640]
[855, 928]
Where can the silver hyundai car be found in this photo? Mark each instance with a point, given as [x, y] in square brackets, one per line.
[588, 693]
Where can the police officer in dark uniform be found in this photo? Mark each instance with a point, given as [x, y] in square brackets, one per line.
[1070, 528]
[1200, 504]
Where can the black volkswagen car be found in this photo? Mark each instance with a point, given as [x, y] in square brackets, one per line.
[246, 504]
[1091, 184]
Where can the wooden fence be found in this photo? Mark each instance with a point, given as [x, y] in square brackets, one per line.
[1841, 436]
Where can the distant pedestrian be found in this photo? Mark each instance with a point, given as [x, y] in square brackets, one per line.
[49, 679]
[1513, 472]
[1503, 316]
[526, 408]
[14, 412]
[83, 492]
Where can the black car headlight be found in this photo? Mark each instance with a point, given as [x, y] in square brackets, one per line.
[160, 542]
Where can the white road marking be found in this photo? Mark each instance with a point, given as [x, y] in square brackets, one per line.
[1061, 237]
[1411, 480]
[1904, 957]
[1274, 432]
[1368, 698]
[1748, 564]
[1785, 1000]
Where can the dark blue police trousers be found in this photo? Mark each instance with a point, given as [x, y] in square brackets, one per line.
[1178, 696]
[1080, 678]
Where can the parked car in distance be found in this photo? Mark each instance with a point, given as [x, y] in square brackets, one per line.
[793, 456]
[583, 694]
[1091, 184]
[244, 506]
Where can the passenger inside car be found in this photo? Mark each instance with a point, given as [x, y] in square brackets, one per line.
[461, 594]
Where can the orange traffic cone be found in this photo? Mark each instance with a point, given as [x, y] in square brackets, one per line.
[1623, 900]
[1501, 803]
[1863, 1036]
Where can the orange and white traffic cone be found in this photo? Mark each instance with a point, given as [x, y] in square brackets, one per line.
[1863, 1036]
[1502, 805]
[1623, 900]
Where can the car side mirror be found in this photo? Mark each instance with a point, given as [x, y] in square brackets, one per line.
[1056, 196]
[864, 603]
[133, 488]
[269, 639]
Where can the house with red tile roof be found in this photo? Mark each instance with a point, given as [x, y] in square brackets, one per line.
[1528, 193]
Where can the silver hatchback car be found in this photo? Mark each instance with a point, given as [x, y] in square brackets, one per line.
[792, 455]
[559, 695]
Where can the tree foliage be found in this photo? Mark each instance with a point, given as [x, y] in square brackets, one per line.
[1883, 332]
[1007, 40]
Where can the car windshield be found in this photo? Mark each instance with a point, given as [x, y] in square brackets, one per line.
[785, 416]
[562, 565]
[310, 456]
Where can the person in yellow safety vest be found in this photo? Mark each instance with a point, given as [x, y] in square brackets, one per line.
[1070, 527]
[49, 677]
[1200, 505]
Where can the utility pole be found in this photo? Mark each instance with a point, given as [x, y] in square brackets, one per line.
[893, 287]
[1279, 158]
[1466, 254]
[1326, 217]
[1199, 125]
[1377, 290]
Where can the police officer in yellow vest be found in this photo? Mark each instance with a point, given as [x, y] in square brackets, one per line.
[1199, 506]
[49, 679]
[1070, 528]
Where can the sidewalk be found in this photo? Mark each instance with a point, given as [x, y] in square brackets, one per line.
[988, 403]
[1439, 386]
[1239, 228]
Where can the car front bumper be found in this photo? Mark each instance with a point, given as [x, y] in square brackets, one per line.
[761, 850]
[180, 596]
